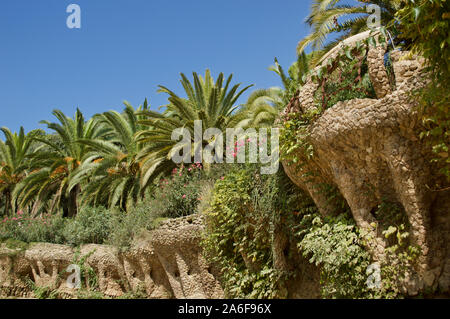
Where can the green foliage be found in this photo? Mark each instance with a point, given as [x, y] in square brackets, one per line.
[294, 133]
[127, 226]
[89, 279]
[212, 102]
[343, 78]
[91, 225]
[335, 245]
[42, 292]
[15, 244]
[178, 195]
[89, 294]
[138, 293]
[53, 163]
[262, 108]
[388, 64]
[346, 76]
[424, 26]
[351, 82]
[244, 210]
[110, 170]
[435, 112]
[124, 160]
[343, 20]
[13, 163]
[400, 260]
[295, 77]
[390, 214]
[25, 228]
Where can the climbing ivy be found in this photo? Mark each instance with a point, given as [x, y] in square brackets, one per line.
[341, 78]
[294, 145]
[424, 26]
[244, 210]
[335, 245]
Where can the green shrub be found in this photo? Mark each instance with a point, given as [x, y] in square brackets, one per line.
[424, 26]
[126, 226]
[244, 209]
[178, 195]
[43, 228]
[335, 245]
[91, 225]
[341, 85]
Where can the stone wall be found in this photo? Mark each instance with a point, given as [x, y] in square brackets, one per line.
[369, 149]
[166, 263]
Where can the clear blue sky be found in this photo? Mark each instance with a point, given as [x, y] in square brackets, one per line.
[124, 49]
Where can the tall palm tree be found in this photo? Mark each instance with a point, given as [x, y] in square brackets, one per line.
[324, 21]
[110, 172]
[214, 103]
[13, 162]
[53, 163]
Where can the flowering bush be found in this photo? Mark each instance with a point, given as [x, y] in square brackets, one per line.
[92, 225]
[179, 195]
[42, 228]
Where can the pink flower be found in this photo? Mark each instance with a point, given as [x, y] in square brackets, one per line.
[222, 178]
[184, 196]
[14, 218]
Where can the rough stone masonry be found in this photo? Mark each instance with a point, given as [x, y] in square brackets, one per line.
[369, 149]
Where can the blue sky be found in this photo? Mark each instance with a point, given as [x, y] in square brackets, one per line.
[124, 49]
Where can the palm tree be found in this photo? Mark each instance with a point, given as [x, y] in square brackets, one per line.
[110, 172]
[324, 21]
[53, 163]
[214, 103]
[13, 162]
[263, 107]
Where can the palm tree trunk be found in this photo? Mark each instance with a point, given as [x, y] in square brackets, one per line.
[7, 203]
[36, 206]
[72, 204]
